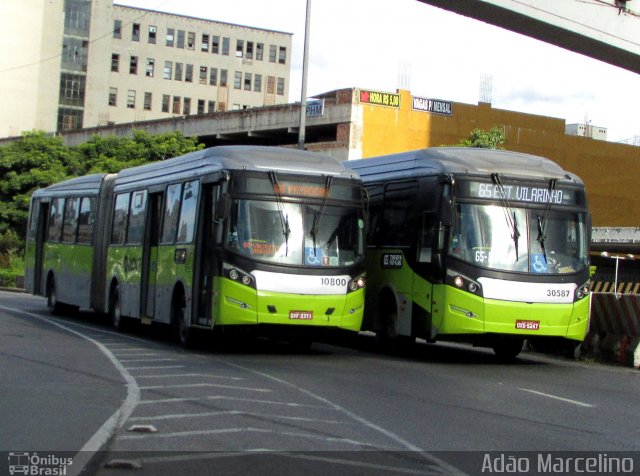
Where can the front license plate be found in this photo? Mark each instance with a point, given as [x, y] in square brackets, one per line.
[528, 325]
[303, 315]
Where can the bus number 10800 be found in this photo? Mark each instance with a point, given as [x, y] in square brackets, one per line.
[333, 281]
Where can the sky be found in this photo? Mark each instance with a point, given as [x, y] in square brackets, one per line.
[383, 44]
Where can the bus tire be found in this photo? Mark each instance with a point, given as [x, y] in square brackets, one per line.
[507, 348]
[115, 310]
[184, 331]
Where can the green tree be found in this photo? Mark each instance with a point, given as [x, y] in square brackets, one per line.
[494, 138]
[112, 154]
[34, 161]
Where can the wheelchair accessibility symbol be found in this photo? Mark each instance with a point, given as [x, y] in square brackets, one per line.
[313, 257]
[539, 264]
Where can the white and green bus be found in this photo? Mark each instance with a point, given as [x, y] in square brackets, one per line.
[226, 236]
[476, 245]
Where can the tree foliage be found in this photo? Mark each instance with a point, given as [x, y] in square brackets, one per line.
[38, 160]
[494, 138]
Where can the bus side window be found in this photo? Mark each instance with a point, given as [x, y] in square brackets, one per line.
[120, 218]
[398, 217]
[136, 217]
[427, 236]
[70, 224]
[86, 219]
[171, 213]
[55, 220]
[188, 212]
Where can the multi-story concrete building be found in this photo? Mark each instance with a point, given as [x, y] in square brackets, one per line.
[87, 63]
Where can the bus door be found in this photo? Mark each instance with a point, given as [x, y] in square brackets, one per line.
[41, 214]
[206, 257]
[150, 255]
[428, 254]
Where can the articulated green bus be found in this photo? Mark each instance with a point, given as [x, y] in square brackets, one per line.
[227, 236]
[477, 245]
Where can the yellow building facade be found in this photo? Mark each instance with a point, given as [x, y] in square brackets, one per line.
[386, 123]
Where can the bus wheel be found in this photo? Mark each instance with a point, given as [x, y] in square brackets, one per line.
[52, 297]
[507, 348]
[115, 310]
[185, 333]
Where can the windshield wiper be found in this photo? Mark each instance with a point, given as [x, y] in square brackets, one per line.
[510, 215]
[542, 236]
[318, 215]
[284, 219]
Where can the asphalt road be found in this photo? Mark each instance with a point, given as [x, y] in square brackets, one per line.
[257, 407]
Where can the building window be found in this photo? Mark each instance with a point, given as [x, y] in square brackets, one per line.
[168, 66]
[280, 90]
[247, 81]
[213, 76]
[249, 54]
[204, 44]
[113, 96]
[191, 40]
[211, 106]
[200, 107]
[69, 119]
[188, 74]
[180, 42]
[176, 104]
[203, 75]
[224, 74]
[150, 67]
[257, 83]
[133, 65]
[170, 33]
[215, 44]
[239, 48]
[282, 56]
[178, 75]
[131, 99]
[237, 80]
[225, 46]
[187, 106]
[148, 97]
[117, 29]
[72, 87]
[259, 51]
[152, 34]
[135, 32]
[273, 49]
[271, 85]
[115, 62]
[166, 99]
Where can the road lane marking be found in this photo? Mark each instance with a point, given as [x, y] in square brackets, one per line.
[555, 397]
[117, 419]
[221, 397]
[178, 416]
[225, 377]
[156, 367]
[215, 385]
[164, 359]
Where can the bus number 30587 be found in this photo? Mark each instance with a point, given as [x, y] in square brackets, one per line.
[333, 281]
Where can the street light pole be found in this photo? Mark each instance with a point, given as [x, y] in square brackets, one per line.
[305, 67]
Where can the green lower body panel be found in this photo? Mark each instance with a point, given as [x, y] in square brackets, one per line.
[465, 313]
[242, 305]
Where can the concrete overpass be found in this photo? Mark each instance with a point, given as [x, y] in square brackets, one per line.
[607, 30]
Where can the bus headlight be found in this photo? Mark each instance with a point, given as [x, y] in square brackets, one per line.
[238, 275]
[464, 283]
[357, 283]
[583, 290]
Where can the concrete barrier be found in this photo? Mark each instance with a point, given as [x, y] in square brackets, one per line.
[614, 331]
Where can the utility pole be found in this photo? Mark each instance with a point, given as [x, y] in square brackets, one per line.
[305, 67]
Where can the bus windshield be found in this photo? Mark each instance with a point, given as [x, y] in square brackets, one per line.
[536, 241]
[296, 234]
